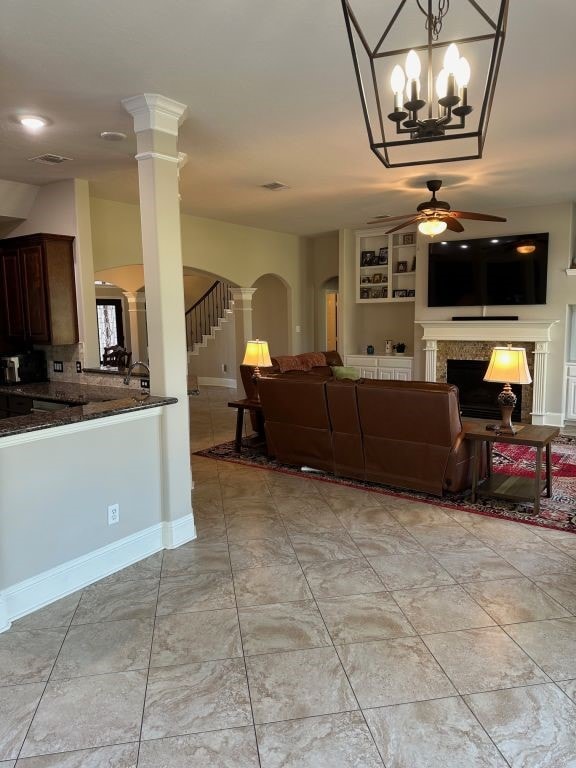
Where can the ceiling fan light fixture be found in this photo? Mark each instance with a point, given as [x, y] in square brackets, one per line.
[526, 246]
[432, 227]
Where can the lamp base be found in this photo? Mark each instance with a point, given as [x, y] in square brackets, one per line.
[507, 401]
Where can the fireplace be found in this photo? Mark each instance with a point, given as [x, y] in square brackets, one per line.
[478, 397]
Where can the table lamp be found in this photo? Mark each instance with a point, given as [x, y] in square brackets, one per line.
[507, 366]
[257, 354]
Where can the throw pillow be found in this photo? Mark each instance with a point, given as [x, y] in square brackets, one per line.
[313, 359]
[290, 363]
[345, 372]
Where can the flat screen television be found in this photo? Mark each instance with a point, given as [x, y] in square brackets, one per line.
[488, 271]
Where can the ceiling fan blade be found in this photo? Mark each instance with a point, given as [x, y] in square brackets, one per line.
[477, 216]
[453, 224]
[395, 218]
[404, 224]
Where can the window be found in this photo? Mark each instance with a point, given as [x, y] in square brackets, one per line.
[110, 327]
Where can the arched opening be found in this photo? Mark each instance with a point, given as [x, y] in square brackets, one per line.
[270, 316]
[327, 318]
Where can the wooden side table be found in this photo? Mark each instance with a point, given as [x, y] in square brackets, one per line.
[241, 406]
[511, 487]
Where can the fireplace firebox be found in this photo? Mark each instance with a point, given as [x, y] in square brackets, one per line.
[478, 397]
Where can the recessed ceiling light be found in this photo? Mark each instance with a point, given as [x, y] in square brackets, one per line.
[444, 242]
[494, 241]
[112, 136]
[33, 122]
[464, 246]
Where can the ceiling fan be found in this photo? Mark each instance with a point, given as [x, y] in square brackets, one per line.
[434, 216]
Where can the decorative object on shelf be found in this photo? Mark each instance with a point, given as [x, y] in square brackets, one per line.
[388, 346]
[364, 293]
[377, 277]
[370, 349]
[507, 366]
[257, 354]
[402, 266]
[365, 279]
[408, 238]
[368, 259]
[434, 216]
[438, 112]
[399, 348]
[379, 293]
[383, 257]
[413, 267]
[411, 292]
[400, 293]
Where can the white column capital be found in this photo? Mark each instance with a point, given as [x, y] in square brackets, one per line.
[242, 294]
[136, 301]
[151, 111]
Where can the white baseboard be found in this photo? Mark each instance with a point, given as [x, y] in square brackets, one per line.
[34, 593]
[212, 381]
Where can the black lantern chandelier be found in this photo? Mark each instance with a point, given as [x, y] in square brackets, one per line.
[399, 110]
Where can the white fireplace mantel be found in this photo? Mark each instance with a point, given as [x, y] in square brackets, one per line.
[537, 331]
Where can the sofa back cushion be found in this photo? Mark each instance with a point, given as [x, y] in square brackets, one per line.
[409, 429]
[296, 420]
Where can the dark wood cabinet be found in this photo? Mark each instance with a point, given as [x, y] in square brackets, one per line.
[38, 290]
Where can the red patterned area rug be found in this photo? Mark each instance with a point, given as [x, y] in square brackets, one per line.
[557, 512]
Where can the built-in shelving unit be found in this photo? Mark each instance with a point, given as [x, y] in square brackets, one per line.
[385, 266]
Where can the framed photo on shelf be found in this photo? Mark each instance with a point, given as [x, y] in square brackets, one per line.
[408, 239]
[379, 293]
[365, 279]
[411, 292]
[400, 293]
[368, 259]
[377, 277]
[364, 293]
[383, 257]
[402, 266]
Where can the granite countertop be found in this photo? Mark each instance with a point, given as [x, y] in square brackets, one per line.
[87, 402]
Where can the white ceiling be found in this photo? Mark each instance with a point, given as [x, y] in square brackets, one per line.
[271, 96]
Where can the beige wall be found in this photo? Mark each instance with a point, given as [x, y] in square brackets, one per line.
[235, 253]
[270, 319]
[79, 474]
[195, 286]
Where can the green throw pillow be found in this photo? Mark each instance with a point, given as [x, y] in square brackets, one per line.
[345, 372]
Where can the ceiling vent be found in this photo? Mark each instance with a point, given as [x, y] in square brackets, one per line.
[275, 186]
[49, 159]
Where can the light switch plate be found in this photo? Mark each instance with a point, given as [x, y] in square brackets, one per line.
[58, 366]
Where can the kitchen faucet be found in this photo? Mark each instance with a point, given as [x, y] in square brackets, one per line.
[129, 374]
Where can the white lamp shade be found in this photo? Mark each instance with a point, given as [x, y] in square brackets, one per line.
[257, 353]
[508, 365]
[432, 227]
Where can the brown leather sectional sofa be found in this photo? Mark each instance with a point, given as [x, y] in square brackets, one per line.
[404, 434]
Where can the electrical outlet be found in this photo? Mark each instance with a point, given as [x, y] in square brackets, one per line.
[58, 366]
[78, 366]
[144, 383]
[113, 514]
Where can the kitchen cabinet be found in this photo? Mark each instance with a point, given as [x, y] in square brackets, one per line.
[38, 290]
[385, 368]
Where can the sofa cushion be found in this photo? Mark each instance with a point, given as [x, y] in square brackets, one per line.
[345, 372]
[291, 363]
[312, 359]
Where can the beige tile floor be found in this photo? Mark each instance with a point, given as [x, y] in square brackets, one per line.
[308, 626]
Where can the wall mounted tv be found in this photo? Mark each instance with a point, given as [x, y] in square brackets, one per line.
[488, 271]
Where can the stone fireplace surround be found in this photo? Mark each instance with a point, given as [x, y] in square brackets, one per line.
[474, 339]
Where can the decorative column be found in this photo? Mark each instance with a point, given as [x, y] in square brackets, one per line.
[431, 350]
[539, 384]
[137, 318]
[242, 298]
[156, 123]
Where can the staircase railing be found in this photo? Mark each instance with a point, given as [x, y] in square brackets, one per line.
[205, 313]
